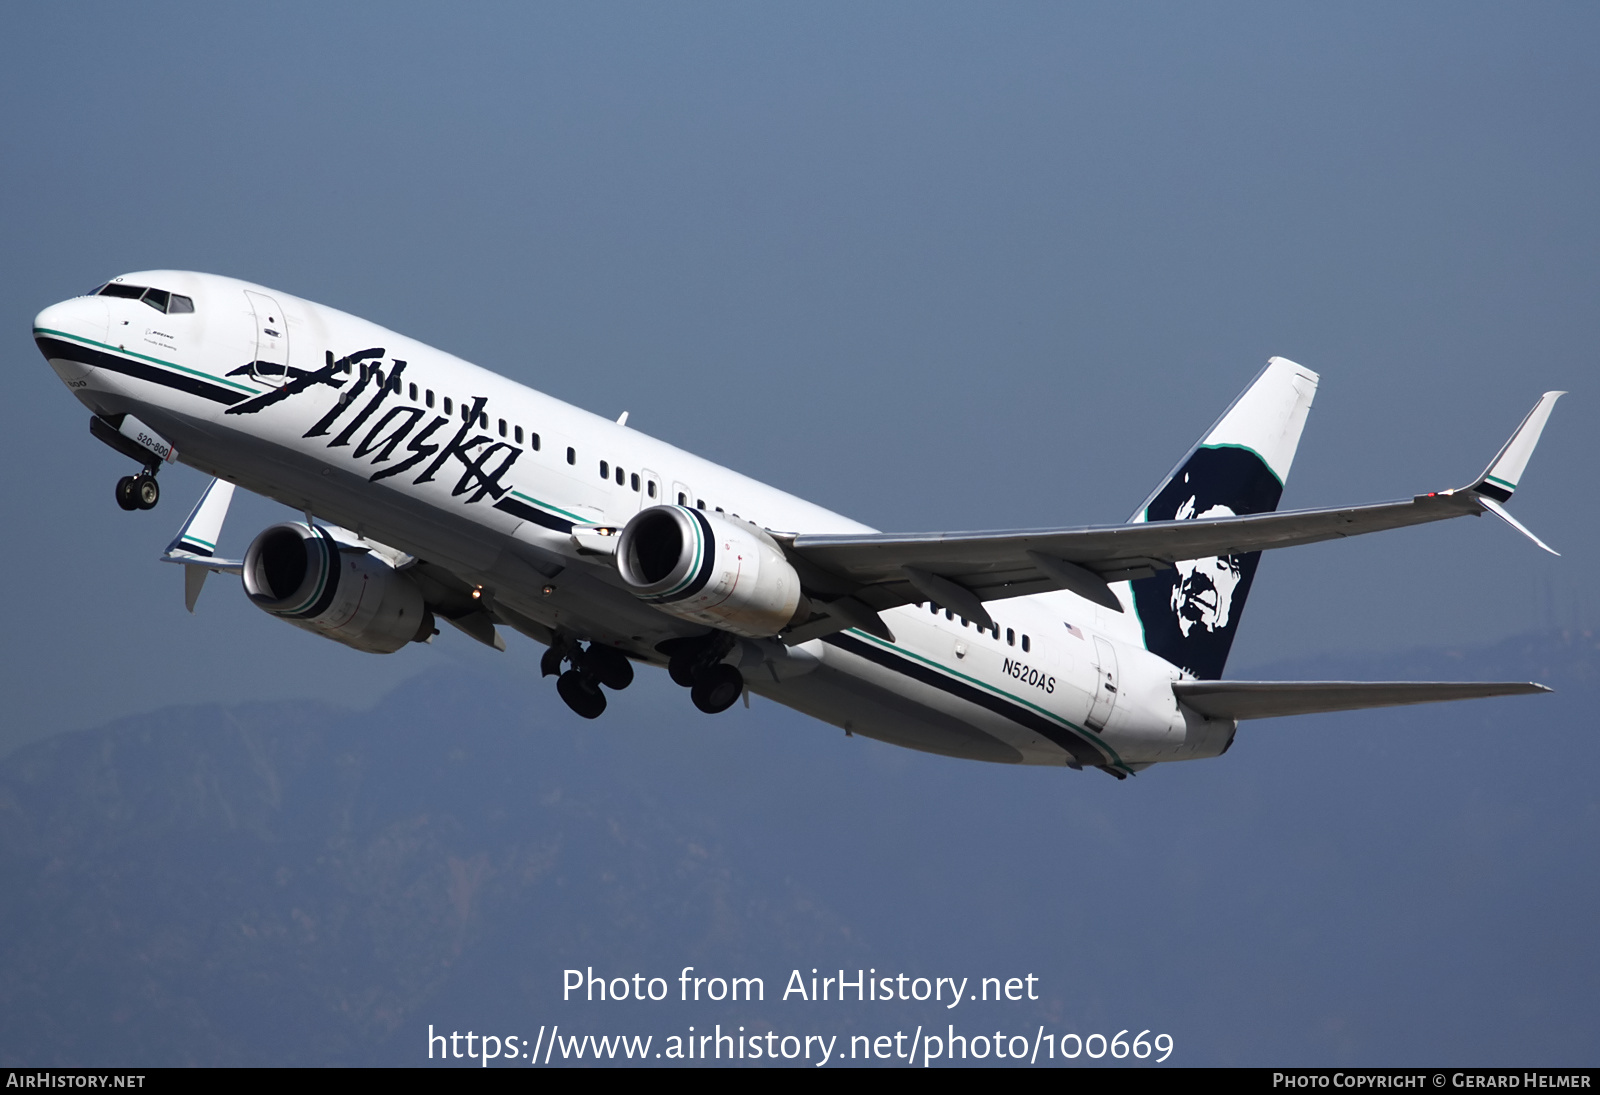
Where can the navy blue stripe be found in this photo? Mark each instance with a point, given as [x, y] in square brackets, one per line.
[330, 553]
[55, 348]
[512, 506]
[1082, 751]
[706, 562]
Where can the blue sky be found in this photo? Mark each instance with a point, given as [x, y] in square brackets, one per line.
[935, 266]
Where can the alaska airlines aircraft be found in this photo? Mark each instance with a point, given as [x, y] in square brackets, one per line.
[436, 490]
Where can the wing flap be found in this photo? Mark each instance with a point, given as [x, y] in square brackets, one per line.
[1272, 699]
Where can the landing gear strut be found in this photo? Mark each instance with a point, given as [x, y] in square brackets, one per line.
[592, 667]
[138, 491]
[696, 664]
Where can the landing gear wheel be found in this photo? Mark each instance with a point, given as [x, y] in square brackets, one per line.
[715, 689]
[147, 491]
[581, 694]
[550, 663]
[127, 496]
[609, 666]
[681, 670]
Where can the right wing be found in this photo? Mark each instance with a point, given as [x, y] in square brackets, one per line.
[195, 545]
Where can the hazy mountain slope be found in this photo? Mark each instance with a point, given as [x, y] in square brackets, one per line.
[297, 884]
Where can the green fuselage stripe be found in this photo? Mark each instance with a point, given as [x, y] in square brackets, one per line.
[546, 505]
[146, 357]
[1088, 735]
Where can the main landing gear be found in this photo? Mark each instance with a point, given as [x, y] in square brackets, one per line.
[138, 491]
[696, 664]
[592, 667]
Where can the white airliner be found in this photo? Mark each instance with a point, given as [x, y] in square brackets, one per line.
[433, 489]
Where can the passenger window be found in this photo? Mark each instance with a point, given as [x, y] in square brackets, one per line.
[429, 400]
[413, 393]
[683, 499]
[502, 427]
[572, 454]
[620, 477]
[180, 305]
[720, 509]
[605, 469]
[934, 607]
[633, 481]
[1026, 646]
[517, 434]
[650, 488]
[533, 439]
[995, 631]
[448, 407]
[1011, 637]
[949, 614]
[394, 384]
[699, 503]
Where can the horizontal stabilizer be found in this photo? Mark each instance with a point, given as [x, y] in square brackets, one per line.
[1271, 699]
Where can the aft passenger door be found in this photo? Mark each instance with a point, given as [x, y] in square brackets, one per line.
[271, 363]
[1105, 685]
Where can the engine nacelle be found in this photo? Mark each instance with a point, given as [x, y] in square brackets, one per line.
[705, 568]
[302, 574]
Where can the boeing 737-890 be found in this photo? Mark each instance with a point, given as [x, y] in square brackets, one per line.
[435, 490]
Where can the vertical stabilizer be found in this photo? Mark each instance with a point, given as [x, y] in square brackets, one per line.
[1190, 612]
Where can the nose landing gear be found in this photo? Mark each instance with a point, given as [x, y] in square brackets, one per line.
[138, 491]
[596, 665]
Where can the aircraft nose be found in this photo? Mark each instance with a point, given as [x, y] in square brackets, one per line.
[80, 317]
[61, 330]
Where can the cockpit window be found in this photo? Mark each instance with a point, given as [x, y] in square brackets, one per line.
[159, 299]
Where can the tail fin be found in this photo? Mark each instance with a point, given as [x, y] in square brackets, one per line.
[1190, 613]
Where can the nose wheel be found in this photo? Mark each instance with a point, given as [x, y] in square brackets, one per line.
[138, 491]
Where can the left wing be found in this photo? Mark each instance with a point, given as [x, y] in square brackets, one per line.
[871, 572]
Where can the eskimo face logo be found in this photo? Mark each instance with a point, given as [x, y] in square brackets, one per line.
[1202, 596]
[1191, 611]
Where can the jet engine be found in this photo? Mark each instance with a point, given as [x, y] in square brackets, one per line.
[302, 574]
[711, 570]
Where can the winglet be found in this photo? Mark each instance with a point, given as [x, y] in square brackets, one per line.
[1495, 486]
[195, 546]
[1500, 478]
